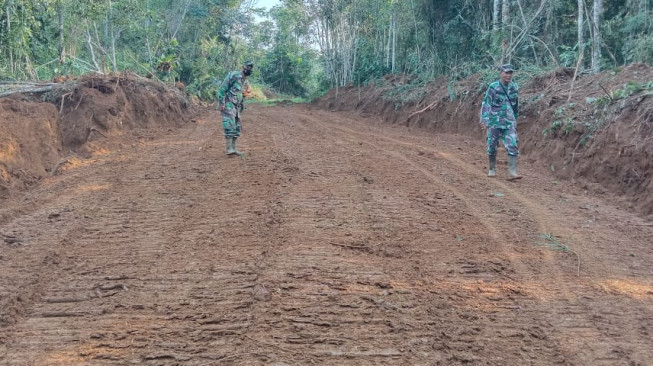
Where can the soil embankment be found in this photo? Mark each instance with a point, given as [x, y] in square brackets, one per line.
[41, 133]
[600, 131]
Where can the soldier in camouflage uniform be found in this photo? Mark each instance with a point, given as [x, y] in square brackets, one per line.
[499, 114]
[231, 97]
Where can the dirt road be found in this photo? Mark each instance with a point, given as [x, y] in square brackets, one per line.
[336, 241]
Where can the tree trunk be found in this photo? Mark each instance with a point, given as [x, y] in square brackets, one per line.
[103, 70]
[181, 19]
[147, 33]
[530, 40]
[596, 41]
[417, 45]
[89, 43]
[581, 12]
[11, 54]
[387, 57]
[505, 13]
[581, 35]
[495, 15]
[62, 53]
[394, 42]
[113, 39]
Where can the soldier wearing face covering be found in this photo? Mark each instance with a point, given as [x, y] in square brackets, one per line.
[231, 97]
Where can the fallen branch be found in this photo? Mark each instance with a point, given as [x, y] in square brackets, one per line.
[63, 300]
[606, 93]
[63, 98]
[31, 83]
[573, 79]
[28, 90]
[350, 246]
[116, 278]
[93, 129]
[118, 286]
[60, 314]
[429, 107]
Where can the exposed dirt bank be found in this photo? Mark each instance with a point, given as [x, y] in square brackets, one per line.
[601, 131]
[40, 133]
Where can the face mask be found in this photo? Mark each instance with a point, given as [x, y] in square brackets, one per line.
[247, 72]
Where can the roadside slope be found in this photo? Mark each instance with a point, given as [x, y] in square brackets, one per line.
[42, 133]
[597, 129]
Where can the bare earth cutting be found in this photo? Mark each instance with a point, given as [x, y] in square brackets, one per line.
[340, 238]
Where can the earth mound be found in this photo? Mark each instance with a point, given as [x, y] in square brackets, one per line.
[42, 126]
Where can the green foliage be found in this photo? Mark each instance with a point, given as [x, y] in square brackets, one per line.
[287, 69]
[625, 91]
[639, 49]
[305, 47]
[166, 67]
[566, 125]
[568, 56]
[630, 33]
[408, 92]
[550, 241]
[563, 122]
[289, 65]
[282, 100]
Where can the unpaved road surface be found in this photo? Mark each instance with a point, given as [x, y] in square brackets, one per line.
[336, 241]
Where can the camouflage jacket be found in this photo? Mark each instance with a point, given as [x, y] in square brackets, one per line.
[231, 91]
[496, 110]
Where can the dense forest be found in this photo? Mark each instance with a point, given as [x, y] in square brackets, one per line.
[303, 48]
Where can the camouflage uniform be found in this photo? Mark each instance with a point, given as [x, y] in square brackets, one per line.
[500, 118]
[231, 95]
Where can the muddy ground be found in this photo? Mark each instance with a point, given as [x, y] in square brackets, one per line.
[339, 239]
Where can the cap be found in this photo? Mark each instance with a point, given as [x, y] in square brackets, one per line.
[248, 63]
[506, 68]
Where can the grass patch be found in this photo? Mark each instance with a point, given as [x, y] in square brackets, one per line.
[550, 241]
[410, 91]
[258, 96]
[277, 101]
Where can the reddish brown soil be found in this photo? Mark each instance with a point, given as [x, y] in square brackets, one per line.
[338, 240]
[606, 146]
[39, 139]
[29, 143]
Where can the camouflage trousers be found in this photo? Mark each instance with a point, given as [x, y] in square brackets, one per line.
[231, 123]
[507, 135]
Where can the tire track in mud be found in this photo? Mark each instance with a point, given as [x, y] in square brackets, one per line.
[572, 316]
[143, 289]
[43, 230]
[411, 277]
[322, 246]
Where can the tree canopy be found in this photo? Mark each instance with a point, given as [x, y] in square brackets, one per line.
[305, 47]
